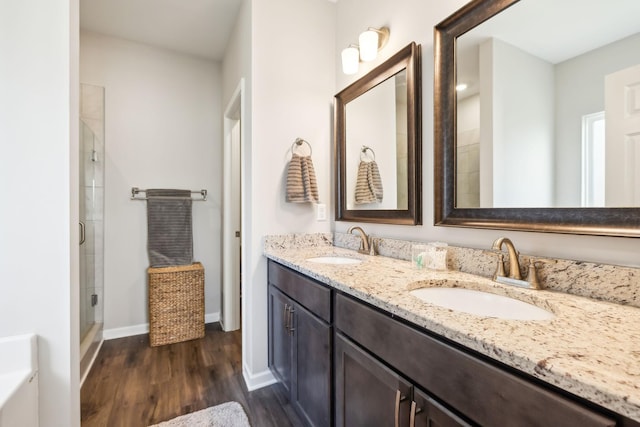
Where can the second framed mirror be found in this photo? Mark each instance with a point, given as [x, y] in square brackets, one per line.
[378, 156]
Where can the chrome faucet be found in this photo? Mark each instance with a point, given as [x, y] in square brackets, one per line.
[364, 240]
[515, 276]
[514, 263]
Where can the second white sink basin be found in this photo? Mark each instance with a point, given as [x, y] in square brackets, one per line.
[482, 303]
[335, 259]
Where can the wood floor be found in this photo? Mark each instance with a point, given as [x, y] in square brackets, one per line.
[132, 384]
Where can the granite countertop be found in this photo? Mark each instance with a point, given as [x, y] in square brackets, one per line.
[591, 348]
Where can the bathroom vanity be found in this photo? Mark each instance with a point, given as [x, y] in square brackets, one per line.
[353, 347]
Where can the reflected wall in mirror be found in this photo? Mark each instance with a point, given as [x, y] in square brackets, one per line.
[378, 143]
[525, 145]
[376, 166]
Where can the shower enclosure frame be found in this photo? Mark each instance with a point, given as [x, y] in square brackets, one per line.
[91, 209]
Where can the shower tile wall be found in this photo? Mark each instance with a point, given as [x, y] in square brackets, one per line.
[468, 169]
[468, 151]
[92, 204]
[402, 141]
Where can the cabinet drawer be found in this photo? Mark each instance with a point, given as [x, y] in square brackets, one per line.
[482, 392]
[309, 293]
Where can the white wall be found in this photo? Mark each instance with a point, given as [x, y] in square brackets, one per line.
[414, 20]
[39, 176]
[163, 120]
[580, 91]
[520, 92]
[293, 58]
[236, 63]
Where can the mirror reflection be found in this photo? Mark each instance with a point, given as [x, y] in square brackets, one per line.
[550, 116]
[376, 146]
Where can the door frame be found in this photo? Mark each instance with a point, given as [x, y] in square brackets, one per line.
[231, 290]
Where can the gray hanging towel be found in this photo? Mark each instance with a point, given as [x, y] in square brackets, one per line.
[170, 230]
[301, 180]
[368, 183]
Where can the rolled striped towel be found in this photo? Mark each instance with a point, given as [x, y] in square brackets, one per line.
[301, 180]
[368, 183]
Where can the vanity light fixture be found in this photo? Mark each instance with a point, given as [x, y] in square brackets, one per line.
[371, 41]
[350, 59]
[461, 87]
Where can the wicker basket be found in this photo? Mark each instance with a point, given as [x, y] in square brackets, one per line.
[176, 303]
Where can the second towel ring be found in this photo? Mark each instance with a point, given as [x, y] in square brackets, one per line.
[364, 151]
[298, 142]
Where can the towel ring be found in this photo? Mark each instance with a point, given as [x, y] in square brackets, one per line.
[298, 142]
[364, 151]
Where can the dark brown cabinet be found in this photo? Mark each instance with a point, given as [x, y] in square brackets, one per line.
[300, 339]
[474, 389]
[427, 412]
[311, 367]
[368, 393]
[280, 343]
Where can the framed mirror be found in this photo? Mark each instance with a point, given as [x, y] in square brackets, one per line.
[378, 124]
[525, 146]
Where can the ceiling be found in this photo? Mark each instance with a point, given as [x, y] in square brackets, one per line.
[195, 27]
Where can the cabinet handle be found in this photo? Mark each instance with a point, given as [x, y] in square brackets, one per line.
[399, 398]
[291, 328]
[414, 411]
[285, 317]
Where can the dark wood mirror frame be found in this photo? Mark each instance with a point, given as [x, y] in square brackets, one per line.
[408, 58]
[594, 221]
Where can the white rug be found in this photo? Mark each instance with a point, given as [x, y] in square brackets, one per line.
[228, 414]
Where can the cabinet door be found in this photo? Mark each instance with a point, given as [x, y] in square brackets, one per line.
[311, 373]
[481, 391]
[367, 392]
[426, 412]
[279, 337]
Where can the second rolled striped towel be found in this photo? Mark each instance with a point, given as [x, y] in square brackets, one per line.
[368, 183]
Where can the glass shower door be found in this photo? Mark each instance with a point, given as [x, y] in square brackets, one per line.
[91, 192]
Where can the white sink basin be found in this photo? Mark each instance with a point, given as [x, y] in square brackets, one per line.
[482, 303]
[334, 259]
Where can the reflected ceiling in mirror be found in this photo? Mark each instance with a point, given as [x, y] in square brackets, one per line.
[525, 147]
[378, 143]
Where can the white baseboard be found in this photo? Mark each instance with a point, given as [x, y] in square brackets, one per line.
[128, 331]
[258, 380]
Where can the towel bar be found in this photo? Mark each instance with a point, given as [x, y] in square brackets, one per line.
[135, 191]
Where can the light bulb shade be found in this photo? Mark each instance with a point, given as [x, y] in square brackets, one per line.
[350, 60]
[368, 41]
